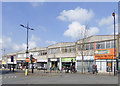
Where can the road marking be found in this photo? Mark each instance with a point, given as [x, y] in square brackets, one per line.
[11, 76]
[15, 76]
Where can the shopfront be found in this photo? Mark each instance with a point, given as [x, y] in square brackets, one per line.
[104, 59]
[53, 62]
[41, 63]
[67, 62]
[21, 63]
[88, 61]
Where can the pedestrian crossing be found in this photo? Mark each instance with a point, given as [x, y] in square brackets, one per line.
[8, 77]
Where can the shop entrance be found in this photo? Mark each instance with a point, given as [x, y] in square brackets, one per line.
[67, 64]
[54, 64]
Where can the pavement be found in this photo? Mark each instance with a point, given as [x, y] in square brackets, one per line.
[39, 77]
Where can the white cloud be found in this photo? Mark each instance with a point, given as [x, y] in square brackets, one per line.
[50, 42]
[34, 38]
[108, 23]
[13, 47]
[16, 47]
[76, 30]
[78, 14]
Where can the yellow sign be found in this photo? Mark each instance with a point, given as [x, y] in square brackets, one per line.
[3, 62]
[109, 64]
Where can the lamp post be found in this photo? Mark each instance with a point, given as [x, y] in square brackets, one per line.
[27, 27]
[113, 14]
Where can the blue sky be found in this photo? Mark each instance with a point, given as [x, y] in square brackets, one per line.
[53, 22]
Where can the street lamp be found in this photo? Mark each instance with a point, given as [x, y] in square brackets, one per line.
[27, 27]
[113, 14]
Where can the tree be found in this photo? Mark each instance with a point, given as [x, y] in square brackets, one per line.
[83, 39]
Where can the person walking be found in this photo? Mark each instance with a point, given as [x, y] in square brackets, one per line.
[96, 69]
[50, 69]
[93, 68]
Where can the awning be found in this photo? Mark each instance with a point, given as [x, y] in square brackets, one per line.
[85, 58]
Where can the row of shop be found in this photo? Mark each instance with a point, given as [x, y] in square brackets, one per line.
[61, 63]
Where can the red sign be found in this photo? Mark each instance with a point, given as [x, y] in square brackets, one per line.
[33, 60]
[27, 59]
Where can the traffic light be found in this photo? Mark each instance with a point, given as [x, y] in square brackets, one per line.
[31, 57]
[12, 59]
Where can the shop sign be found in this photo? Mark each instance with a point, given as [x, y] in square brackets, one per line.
[85, 58]
[3, 62]
[101, 51]
[105, 54]
[67, 59]
[42, 60]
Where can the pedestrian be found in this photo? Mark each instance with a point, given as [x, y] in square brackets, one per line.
[50, 69]
[74, 69]
[93, 68]
[71, 69]
[96, 69]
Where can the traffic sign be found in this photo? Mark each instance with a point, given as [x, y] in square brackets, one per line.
[33, 59]
[27, 59]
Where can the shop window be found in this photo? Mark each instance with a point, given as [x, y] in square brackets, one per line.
[65, 50]
[108, 44]
[112, 43]
[79, 46]
[87, 46]
[100, 45]
[91, 46]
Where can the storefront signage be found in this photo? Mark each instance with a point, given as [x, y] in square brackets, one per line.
[42, 60]
[85, 58]
[101, 51]
[105, 54]
[67, 59]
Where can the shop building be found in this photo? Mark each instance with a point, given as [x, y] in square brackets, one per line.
[104, 53]
[85, 54]
[61, 54]
[97, 50]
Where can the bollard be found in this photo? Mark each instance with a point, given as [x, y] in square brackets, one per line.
[26, 72]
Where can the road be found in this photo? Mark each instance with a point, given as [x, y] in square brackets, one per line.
[39, 77]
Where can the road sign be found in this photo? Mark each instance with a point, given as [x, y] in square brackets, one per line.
[33, 59]
[27, 59]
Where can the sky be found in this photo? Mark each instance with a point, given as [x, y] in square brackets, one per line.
[54, 22]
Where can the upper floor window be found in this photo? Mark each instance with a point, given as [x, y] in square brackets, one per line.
[91, 46]
[108, 44]
[100, 45]
[68, 49]
[54, 51]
